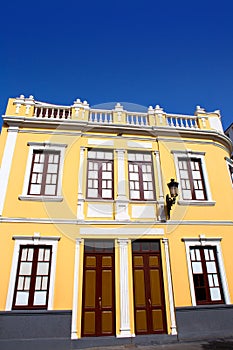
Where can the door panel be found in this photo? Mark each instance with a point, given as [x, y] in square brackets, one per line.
[148, 289]
[98, 311]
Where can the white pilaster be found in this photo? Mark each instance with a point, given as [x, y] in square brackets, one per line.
[124, 290]
[161, 211]
[76, 289]
[80, 209]
[6, 163]
[170, 289]
[121, 200]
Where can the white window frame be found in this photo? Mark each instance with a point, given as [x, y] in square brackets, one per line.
[229, 163]
[37, 146]
[199, 242]
[32, 240]
[199, 156]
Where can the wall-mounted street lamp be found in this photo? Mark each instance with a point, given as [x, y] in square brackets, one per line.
[170, 200]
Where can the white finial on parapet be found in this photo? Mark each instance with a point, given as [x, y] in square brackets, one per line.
[199, 109]
[18, 102]
[158, 109]
[150, 110]
[119, 107]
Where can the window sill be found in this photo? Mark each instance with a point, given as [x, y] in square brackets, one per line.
[99, 200]
[136, 201]
[41, 198]
[197, 203]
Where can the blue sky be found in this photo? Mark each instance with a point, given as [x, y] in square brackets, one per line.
[177, 54]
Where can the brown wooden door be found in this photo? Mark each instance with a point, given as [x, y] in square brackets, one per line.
[98, 311]
[149, 306]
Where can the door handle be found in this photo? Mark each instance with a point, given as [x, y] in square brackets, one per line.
[100, 302]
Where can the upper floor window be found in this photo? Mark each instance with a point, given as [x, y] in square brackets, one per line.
[191, 179]
[141, 178]
[32, 279]
[230, 168]
[44, 173]
[100, 174]
[206, 276]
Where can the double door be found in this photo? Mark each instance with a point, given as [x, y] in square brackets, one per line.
[98, 310]
[149, 304]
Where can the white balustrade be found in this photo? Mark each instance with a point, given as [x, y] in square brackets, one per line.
[100, 116]
[52, 112]
[182, 121]
[137, 119]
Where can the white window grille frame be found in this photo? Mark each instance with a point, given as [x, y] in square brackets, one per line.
[32, 240]
[229, 163]
[200, 242]
[46, 146]
[197, 156]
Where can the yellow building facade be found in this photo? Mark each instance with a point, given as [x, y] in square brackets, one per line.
[90, 246]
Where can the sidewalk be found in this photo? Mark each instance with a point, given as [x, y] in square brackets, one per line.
[221, 344]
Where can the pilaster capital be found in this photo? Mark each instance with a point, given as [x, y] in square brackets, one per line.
[123, 242]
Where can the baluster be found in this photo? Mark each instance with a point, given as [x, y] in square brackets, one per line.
[195, 123]
[46, 113]
[101, 120]
[69, 113]
[182, 122]
[64, 114]
[110, 118]
[186, 123]
[35, 112]
[41, 112]
[172, 124]
[52, 113]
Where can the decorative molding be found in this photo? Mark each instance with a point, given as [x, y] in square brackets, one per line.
[36, 237]
[124, 289]
[170, 289]
[189, 153]
[143, 212]
[141, 145]
[41, 198]
[76, 289]
[100, 142]
[7, 163]
[99, 210]
[47, 144]
[121, 231]
[159, 175]
[114, 222]
[197, 203]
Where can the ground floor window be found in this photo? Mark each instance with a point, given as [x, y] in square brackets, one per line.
[206, 277]
[32, 279]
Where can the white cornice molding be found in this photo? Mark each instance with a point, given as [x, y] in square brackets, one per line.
[115, 223]
[37, 238]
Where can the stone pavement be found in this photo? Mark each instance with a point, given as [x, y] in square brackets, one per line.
[217, 344]
[220, 344]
